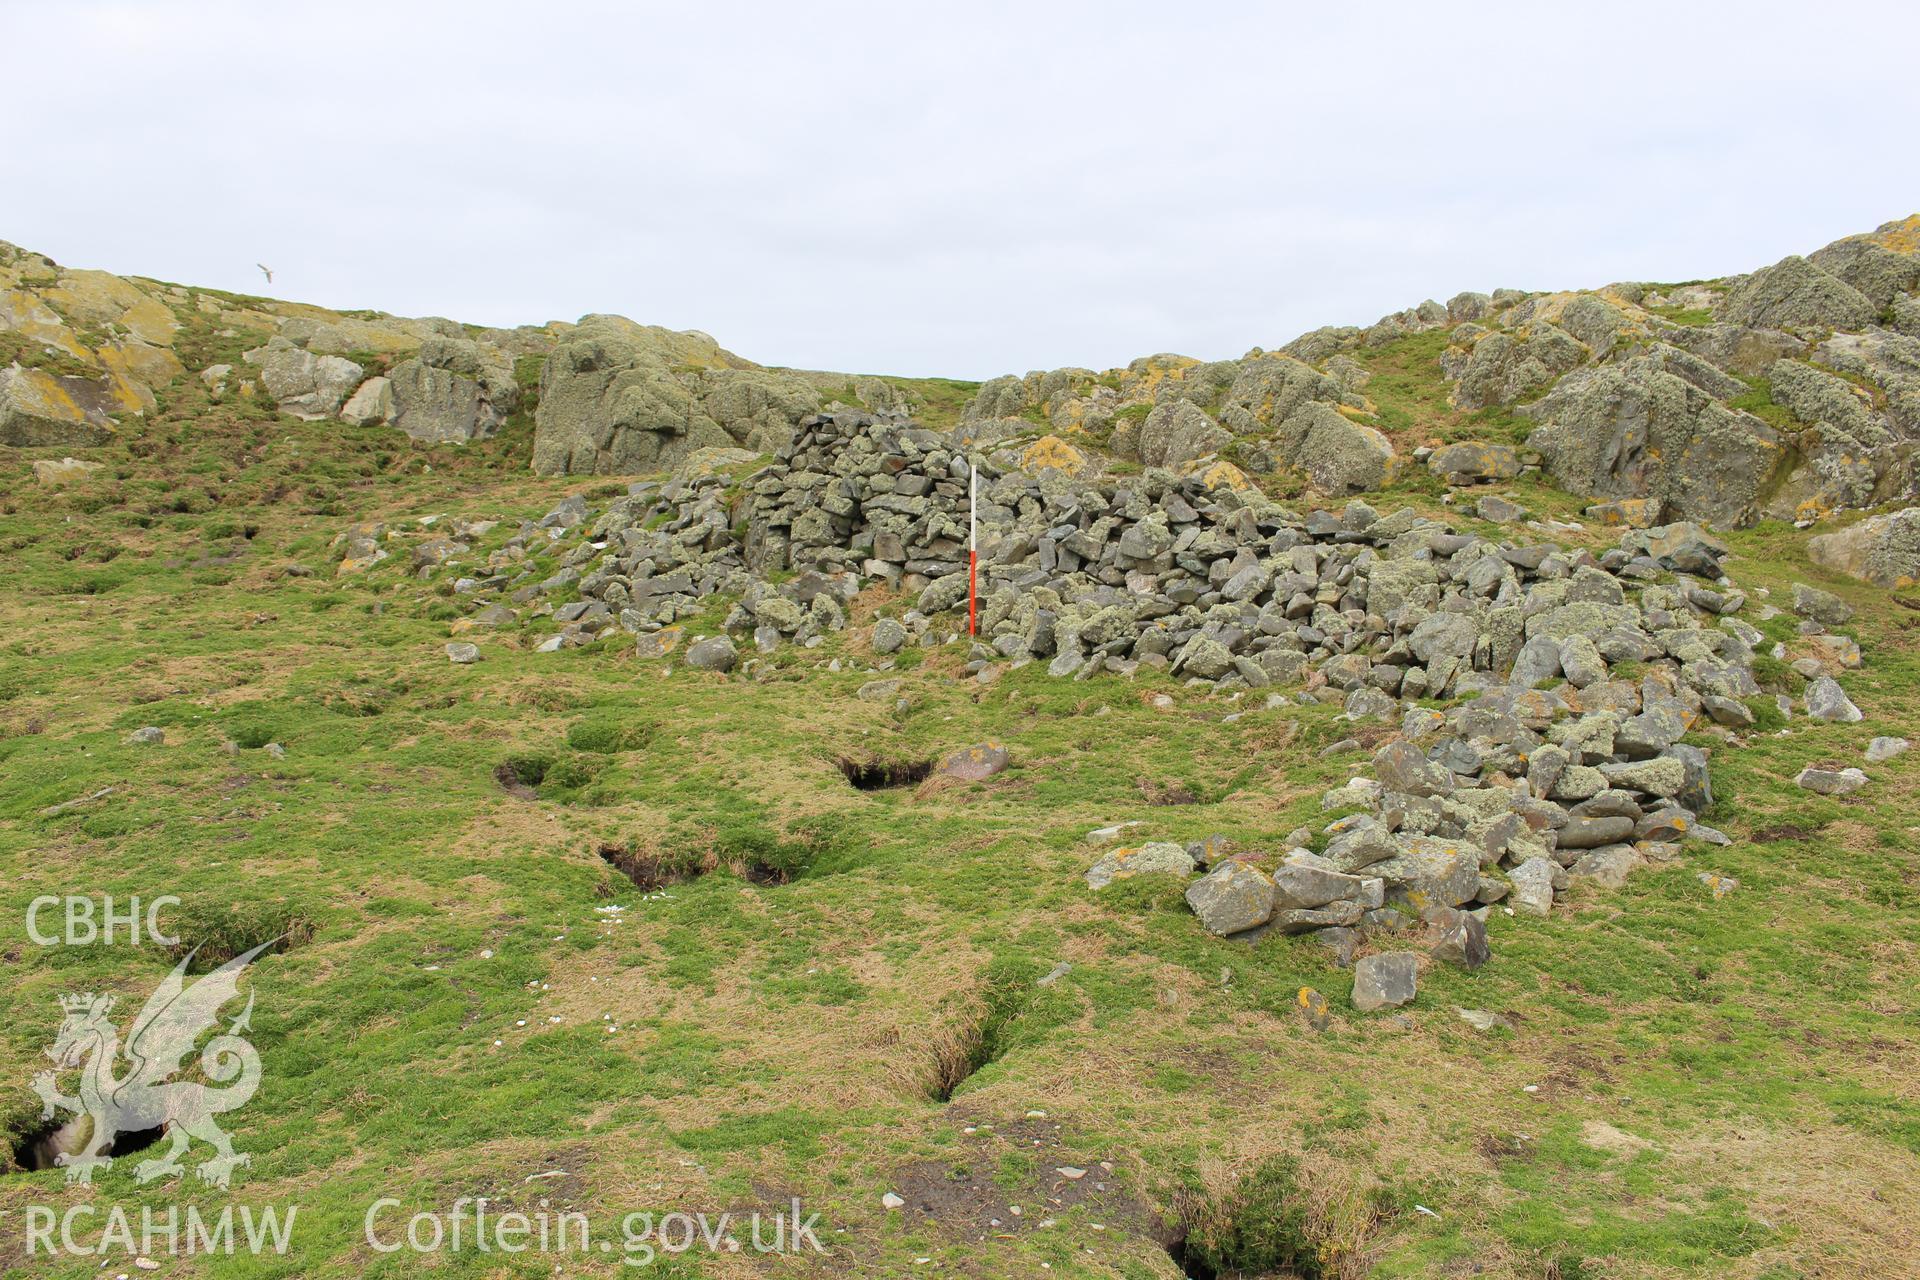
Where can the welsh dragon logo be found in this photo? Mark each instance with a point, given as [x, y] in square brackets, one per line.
[175, 1017]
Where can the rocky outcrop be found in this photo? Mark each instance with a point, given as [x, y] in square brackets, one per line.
[1883, 550]
[1792, 293]
[80, 352]
[303, 384]
[453, 392]
[1340, 456]
[622, 398]
[1498, 368]
[1177, 432]
[1637, 430]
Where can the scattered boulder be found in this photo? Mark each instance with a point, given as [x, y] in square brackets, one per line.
[1457, 937]
[1831, 782]
[1823, 607]
[1147, 859]
[715, 653]
[888, 637]
[1385, 981]
[1826, 700]
[462, 652]
[1881, 750]
[976, 763]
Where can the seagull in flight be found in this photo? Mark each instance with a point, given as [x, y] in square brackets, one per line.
[266, 271]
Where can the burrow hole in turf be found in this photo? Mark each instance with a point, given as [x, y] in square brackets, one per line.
[881, 775]
[976, 1043]
[34, 1150]
[647, 871]
[1192, 1265]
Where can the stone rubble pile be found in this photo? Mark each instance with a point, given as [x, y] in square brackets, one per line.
[1571, 677]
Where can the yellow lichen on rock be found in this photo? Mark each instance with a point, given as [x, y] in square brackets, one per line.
[1219, 474]
[1898, 237]
[1051, 453]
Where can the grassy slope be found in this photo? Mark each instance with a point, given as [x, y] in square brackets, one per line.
[786, 1039]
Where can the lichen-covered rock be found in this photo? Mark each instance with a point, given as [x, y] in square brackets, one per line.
[1883, 550]
[303, 384]
[1634, 430]
[715, 653]
[1870, 265]
[1231, 898]
[1337, 455]
[1532, 887]
[617, 397]
[1430, 872]
[1831, 782]
[453, 392]
[1826, 700]
[1176, 433]
[1795, 292]
[1824, 607]
[93, 346]
[1159, 857]
[976, 763]
[1843, 413]
[1267, 390]
[1470, 462]
[39, 410]
[1500, 367]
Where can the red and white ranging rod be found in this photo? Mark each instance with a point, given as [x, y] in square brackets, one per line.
[973, 548]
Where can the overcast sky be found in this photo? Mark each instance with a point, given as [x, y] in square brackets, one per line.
[949, 189]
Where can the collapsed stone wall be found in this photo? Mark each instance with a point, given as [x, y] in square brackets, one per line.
[1567, 680]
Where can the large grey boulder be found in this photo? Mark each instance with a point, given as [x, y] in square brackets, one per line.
[303, 384]
[453, 392]
[1337, 455]
[1794, 292]
[1831, 782]
[1823, 607]
[1826, 700]
[1634, 430]
[716, 653]
[1176, 433]
[1883, 550]
[621, 398]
